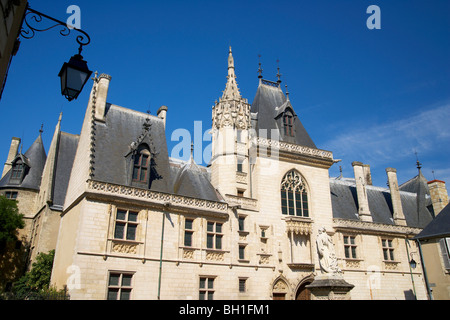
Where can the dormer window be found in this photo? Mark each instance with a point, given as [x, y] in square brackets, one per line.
[141, 165]
[18, 171]
[288, 124]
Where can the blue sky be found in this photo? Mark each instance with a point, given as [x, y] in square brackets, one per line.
[374, 96]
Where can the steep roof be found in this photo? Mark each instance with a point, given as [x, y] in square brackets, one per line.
[269, 101]
[193, 181]
[116, 137]
[35, 158]
[68, 144]
[439, 227]
[344, 202]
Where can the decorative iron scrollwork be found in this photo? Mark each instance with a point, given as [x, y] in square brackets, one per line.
[33, 17]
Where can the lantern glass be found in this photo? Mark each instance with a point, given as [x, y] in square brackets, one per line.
[74, 76]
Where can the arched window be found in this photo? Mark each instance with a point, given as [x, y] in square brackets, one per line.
[294, 197]
[141, 166]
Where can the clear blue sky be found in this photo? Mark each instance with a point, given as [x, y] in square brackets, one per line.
[373, 96]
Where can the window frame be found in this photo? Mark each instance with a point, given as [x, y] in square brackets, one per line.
[206, 292]
[120, 287]
[288, 124]
[350, 249]
[18, 169]
[11, 195]
[189, 232]
[388, 249]
[138, 166]
[214, 235]
[126, 223]
[294, 195]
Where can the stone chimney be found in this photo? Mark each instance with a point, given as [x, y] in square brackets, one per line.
[439, 195]
[102, 94]
[363, 202]
[367, 175]
[15, 142]
[399, 217]
[161, 113]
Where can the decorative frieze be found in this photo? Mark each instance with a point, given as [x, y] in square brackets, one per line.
[294, 148]
[245, 203]
[297, 226]
[215, 256]
[124, 247]
[154, 197]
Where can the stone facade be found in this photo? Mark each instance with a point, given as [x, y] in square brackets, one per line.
[253, 237]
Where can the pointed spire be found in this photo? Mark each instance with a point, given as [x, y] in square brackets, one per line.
[231, 89]
[287, 92]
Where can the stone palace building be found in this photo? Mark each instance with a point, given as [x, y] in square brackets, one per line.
[129, 222]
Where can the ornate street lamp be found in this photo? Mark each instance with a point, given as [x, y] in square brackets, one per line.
[75, 73]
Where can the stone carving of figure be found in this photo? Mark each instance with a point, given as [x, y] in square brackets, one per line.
[327, 255]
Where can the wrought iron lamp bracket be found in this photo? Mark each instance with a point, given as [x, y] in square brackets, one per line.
[32, 17]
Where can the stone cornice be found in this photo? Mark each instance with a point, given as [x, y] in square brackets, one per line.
[159, 200]
[373, 228]
[295, 152]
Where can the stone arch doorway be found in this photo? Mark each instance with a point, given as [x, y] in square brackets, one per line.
[280, 289]
[302, 292]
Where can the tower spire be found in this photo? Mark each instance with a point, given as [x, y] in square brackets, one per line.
[231, 89]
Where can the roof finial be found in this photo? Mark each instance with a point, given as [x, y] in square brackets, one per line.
[419, 165]
[278, 74]
[287, 92]
[41, 129]
[260, 70]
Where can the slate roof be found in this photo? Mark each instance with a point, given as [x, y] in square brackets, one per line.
[35, 158]
[344, 202]
[439, 227]
[269, 101]
[67, 148]
[113, 140]
[192, 180]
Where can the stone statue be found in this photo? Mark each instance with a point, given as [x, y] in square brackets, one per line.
[327, 256]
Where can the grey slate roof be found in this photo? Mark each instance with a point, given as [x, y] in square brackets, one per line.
[439, 227]
[113, 139]
[35, 158]
[192, 180]
[267, 105]
[345, 204]
[67, 148]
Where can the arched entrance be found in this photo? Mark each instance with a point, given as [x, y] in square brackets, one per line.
[303, 293]
[280, 290]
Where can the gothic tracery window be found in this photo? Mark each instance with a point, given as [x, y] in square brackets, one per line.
[294, 197]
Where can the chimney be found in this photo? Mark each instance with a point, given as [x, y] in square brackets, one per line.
[161, 113]
[439, 196]
[367, 175]
[399, 217]
[15, 142]
[102, 94]
[363, 202]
